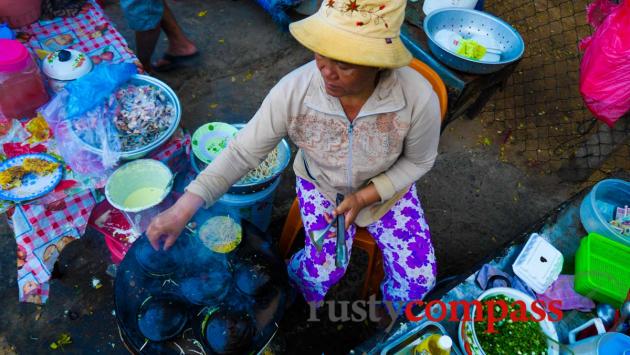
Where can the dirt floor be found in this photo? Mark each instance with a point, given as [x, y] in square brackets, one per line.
[475, 198]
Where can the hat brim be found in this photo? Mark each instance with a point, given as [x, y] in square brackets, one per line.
[323, 38]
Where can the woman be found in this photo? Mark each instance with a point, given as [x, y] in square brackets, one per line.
[367, 126]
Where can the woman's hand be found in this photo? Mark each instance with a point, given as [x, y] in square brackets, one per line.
[354, 203]
[168, 225]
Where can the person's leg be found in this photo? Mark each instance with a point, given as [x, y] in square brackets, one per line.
[178, 44]
[144, 17]
[314, 272]
[403, 236]
[145, 45]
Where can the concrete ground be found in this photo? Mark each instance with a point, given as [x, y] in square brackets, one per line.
[475, 202]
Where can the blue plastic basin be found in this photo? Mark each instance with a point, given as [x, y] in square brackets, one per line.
[597, 208]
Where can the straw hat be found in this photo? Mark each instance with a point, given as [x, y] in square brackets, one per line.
[364, 32]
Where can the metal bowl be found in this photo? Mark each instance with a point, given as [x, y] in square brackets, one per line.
[139, 79]
[472, 23]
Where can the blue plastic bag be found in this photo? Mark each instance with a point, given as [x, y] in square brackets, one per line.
[92, 89]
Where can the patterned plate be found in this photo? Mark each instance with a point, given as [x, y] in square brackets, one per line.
[210, 139]
[33, 186]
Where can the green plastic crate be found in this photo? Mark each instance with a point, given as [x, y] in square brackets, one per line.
[602, 269]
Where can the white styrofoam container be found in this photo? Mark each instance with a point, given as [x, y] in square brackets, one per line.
[538, 264]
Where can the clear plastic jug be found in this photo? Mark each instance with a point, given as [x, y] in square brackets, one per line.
[22, 89]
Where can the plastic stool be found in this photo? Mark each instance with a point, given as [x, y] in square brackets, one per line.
[436, 83]
[362, 239]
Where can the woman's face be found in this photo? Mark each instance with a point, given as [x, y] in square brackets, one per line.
[343, 79]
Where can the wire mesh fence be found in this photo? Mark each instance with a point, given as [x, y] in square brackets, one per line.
[539, 118]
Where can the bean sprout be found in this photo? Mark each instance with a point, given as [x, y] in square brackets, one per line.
[264, 170]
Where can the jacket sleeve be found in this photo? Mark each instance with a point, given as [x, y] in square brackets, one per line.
[419, 152]
[247, 150]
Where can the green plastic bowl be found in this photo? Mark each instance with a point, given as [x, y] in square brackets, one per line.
[139, 185]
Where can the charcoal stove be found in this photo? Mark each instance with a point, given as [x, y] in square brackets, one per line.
[192, 286]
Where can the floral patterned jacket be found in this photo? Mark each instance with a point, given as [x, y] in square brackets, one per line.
[391, 143]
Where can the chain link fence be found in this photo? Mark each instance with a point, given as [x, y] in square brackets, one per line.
[539, 118]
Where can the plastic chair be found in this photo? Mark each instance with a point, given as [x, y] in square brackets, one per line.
[435, 81]
[363, 240]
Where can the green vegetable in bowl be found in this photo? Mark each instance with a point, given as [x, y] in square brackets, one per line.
[511, 337]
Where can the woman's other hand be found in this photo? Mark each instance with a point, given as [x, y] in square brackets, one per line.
[168, 225]
[354, 203]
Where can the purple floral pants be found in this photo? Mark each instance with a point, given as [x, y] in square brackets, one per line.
[402, 234]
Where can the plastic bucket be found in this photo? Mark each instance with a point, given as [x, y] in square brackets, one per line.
[255, 208]
[115, 228]
[139, 185]
[603, 343]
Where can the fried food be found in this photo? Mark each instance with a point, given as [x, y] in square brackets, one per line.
[40, 167]
[12, 177]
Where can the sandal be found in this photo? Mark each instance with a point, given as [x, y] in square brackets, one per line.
[174, 62]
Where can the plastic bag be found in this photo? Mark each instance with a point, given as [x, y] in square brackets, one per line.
[92, 89]
[605, 67]
[80, 117]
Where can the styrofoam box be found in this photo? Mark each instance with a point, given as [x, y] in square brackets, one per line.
[538, 264]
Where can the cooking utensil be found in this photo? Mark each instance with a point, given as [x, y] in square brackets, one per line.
[487, 30]
[162, 317]
[317, 237]
[342, 250]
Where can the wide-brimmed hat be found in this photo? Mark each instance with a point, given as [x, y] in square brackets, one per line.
[364, 32]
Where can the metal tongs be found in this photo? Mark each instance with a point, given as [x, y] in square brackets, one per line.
[318, 237]
[342, 250]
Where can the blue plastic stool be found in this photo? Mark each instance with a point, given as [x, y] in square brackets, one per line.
[255, 208]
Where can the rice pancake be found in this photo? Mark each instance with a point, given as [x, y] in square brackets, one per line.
[228, 332]
[161, 318]
[221, 234]
[156, 263]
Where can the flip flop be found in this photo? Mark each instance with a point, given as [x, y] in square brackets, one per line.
[174, 62]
